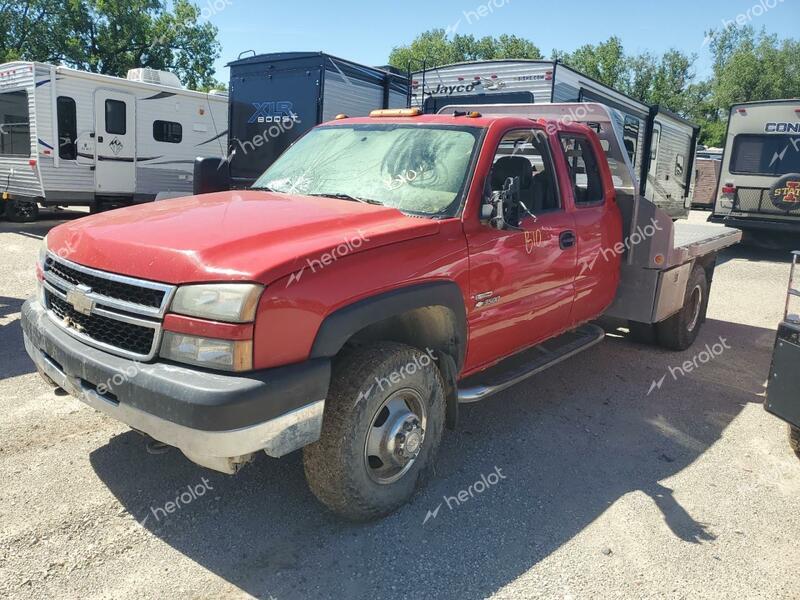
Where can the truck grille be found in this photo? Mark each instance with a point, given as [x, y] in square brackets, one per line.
[106, 287]
[755, 200]
[114, 313]
[125, 336]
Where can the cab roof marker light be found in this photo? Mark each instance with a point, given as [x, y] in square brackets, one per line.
[396, 112]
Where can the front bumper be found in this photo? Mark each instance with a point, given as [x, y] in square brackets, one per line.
[216, 420]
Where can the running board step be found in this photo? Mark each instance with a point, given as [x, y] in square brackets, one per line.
[528, 363]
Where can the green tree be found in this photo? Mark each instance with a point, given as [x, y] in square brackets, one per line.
[434, 49]
[749, 67]
[604, 62]
[112, 36]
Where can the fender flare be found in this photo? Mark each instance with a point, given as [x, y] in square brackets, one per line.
[341, 325]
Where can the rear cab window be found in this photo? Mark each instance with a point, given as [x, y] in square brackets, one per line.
[15, 124]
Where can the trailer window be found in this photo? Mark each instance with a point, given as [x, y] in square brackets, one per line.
[584, 170]
[67, 128]
[167, 131]
[15, 124]
[680, 163]
[414, 168]
[116, 117]
[631, 138]
[769, 155]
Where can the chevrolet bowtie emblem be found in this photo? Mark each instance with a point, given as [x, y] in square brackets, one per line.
[79, 298]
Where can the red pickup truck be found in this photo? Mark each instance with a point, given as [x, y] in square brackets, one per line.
[380, 272]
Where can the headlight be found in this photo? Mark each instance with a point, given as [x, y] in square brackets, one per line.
[227, 302]
[227, 355]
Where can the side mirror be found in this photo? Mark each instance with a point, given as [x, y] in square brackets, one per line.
[211, 175]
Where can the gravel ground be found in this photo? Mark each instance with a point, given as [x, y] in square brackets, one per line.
[607, 492]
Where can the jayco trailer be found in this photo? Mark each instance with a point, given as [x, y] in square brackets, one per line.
[759, 187]
[68, 137]
[276, 98]
[664, 173]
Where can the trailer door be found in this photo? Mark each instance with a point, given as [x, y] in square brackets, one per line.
[115, 142]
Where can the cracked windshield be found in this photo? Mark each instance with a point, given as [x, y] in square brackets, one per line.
[416, 169]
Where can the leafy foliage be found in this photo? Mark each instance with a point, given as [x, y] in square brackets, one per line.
[434, 49]
[112, 36]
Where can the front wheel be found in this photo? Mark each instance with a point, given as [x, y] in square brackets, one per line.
[794, 439]
[382, 427]
[680, 331]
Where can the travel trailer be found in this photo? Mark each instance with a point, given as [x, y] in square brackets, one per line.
[276, 98]
[664, 173]
[759, 186]
[69, 137]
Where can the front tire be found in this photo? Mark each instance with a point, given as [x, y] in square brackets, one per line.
[680, 331]
[382, 427]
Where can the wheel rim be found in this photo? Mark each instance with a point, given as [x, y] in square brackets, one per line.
[395, 436]
[25, 210]
[696, 302]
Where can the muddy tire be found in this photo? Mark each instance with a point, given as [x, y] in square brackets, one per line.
[680, 331]
[794, 439]
[382, 427]
[21, 211]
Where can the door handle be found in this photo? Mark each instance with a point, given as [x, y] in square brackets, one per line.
[566, 239]
[100, 139]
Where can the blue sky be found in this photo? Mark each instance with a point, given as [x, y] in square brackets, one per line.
[366, 31]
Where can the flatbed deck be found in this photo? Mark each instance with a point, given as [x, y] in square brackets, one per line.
[698, 239]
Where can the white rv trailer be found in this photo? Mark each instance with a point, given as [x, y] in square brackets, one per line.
[664, 173]
[759, 185]
[68, 137]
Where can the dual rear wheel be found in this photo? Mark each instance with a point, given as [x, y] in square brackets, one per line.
[679, 331]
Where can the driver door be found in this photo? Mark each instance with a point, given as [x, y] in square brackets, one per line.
[522, 276]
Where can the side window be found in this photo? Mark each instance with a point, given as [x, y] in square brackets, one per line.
[680, 165]
[631, 138]
[584, 170]
[167, 131]
[654, 145]
[524, 154]
[116, 117]
[67, 128]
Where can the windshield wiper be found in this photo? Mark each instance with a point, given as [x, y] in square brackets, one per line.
[348, 197]
[262, 188]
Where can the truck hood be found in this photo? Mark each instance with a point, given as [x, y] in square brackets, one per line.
[240, 235]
